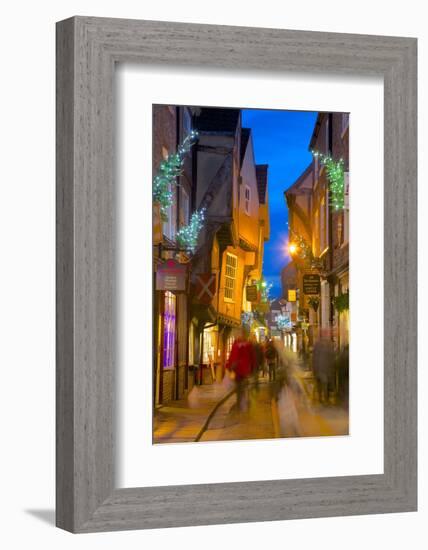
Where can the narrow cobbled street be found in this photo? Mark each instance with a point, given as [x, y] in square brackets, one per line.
[210, 413]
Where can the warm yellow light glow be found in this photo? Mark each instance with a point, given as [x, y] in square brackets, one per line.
[292, 248]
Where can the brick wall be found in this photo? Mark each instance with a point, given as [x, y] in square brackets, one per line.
[168, 385]
[181, 381]
[164, 132]
[340, 140]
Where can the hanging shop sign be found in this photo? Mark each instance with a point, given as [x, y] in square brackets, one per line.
[171, 275]
[252, 293]
[205, 287]
[292, 295]
[311, 284]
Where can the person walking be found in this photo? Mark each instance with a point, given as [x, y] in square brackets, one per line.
[242, 364]
[323, 366]
[260, 358]
[272, 359]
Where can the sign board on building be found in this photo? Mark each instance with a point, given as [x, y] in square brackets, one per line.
[171, 275]
[292, 295]
[311, 284]
[252, 294]
[205, 287]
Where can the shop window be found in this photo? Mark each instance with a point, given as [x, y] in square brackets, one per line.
[229, 344]
[169, 330]
[209, 347]
[231, 268]
[191, 343]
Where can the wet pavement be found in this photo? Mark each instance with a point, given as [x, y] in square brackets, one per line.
[210, 413]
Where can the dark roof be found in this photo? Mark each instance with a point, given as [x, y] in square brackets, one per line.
[245, 136]
[261, 175]
[294, 189]
[212, 119]
[316, 131]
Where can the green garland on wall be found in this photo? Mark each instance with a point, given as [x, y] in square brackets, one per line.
[264, 288]
[187, 236]
[303, 250]
[341, 302]
[336, 179]
[168, 171]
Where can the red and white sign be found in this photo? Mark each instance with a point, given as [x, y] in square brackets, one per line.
[205, 285]
[172, 276]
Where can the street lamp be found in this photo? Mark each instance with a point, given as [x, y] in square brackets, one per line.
[292, 248]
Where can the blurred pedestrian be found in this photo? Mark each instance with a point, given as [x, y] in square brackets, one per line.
[342, 376]
[323, 366]
[260, 359]
[272, 359]
[287, 394]
[242, 363]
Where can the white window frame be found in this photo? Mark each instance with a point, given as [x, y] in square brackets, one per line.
[231, 268]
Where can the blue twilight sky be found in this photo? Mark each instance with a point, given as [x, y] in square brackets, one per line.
[281, 140]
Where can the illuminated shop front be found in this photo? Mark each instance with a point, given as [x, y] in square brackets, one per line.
[169, 330]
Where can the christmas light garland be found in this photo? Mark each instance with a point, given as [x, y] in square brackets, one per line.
[283, 321]
[264, 288]
[187, 236]
[168, 171]
[303, 250]
[336, 178]
[247, 318]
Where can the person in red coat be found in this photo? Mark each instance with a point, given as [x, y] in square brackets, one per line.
[242, 363]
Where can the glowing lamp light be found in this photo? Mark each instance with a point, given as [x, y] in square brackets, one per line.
[292, 248]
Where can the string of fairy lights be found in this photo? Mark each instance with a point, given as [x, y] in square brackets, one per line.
[335, 172]
[166, 177]
[299, 248]
[336, 179]
[187, 236]
[163, 193]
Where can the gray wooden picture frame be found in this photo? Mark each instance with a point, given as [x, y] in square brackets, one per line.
[87, 50]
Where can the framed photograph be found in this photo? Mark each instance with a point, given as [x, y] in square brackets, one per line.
[236, 274]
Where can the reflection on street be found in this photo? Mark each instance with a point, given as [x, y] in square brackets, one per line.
[285, 395]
